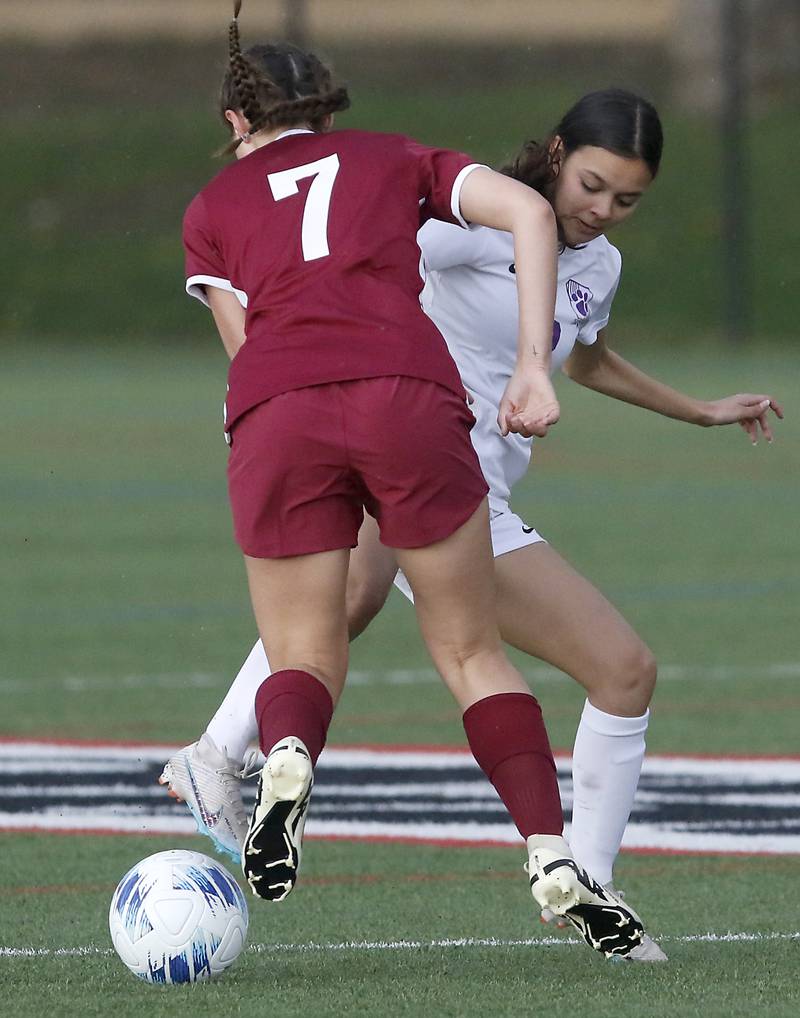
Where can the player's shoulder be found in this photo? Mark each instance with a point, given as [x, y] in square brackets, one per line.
[401, 145]
[379, 140]
[196, 214]
[605, 257]
[375, 149]
[216, 184]
[598, 259]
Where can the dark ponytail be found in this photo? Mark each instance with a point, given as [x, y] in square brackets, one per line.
[618, 121]
[277, 85]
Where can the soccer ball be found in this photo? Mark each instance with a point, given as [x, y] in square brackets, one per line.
[178, 917]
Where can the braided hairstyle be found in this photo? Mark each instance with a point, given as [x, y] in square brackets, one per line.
[277, 85]
[621, 122]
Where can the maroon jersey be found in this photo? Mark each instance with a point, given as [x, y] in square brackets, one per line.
[316, 234]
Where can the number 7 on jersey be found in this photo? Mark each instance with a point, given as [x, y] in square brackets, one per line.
[314, 234]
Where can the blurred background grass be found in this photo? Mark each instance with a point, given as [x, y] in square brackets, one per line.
[108, 141]
[124, 611]
[123, 588]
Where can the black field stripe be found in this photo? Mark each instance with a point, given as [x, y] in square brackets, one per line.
[682, 803]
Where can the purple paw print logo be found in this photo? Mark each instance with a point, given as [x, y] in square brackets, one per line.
[580, 297]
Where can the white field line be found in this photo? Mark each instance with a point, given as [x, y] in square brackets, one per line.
[22, 757]
[638, 836]
[375, 677]
[410, 945]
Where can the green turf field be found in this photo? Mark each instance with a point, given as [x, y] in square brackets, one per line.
[124, 614]
[425, 896]
[123, 611]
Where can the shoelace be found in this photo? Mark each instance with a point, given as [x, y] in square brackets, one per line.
[251, 765]
[232, 776]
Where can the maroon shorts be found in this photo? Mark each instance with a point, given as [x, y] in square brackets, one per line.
[305, 464]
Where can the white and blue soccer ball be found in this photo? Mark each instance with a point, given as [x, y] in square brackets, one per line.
[178, 917]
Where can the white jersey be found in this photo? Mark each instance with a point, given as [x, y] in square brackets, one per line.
[470, 293]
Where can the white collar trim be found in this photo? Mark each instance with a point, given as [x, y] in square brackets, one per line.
[294, 130]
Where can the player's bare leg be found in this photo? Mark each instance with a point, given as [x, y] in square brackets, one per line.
[547, 609]
[372, 570]
[550, 611]
[453, 584]
[207, 775]
[369, 579]
[299, 604]
[454, 598]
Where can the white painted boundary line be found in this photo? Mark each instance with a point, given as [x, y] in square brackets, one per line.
[409, 945]
[373, 677]
[20, 756]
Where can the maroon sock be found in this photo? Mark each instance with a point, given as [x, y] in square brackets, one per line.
[507, 737]
[293, 703]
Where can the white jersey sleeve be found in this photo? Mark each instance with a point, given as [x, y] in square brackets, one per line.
[601, 312]
[444, 245]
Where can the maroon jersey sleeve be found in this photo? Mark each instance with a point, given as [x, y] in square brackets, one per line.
[205, 265]
[441, 173]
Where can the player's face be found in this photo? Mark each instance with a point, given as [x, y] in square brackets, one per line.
[595, 190]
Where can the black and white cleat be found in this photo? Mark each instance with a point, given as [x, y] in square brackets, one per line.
[607, 923]
[273, 844]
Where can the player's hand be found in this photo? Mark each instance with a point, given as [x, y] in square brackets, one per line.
[748, 410]
[529, 405]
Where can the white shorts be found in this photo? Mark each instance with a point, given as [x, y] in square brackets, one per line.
[509, 532]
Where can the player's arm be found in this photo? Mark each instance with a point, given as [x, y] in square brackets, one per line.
[529, 405]
[601, 369]
[229, 318]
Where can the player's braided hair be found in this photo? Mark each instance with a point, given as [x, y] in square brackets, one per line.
[277, 85]
[619, 121]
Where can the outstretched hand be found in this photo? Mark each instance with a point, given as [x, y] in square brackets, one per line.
[529, 405]
[748, 410]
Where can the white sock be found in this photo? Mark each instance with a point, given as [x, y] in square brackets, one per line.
[234, 725]
[606, 763]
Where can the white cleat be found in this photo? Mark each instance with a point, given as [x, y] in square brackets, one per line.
[647, 950]
[273, 844]
[558, 884]
[209, 782]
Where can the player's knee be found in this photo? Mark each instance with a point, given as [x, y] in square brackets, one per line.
[473, 670]
[624, 684]
[365, 598]
[636, 678]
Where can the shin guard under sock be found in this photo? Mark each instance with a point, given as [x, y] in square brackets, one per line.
[507, 736]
